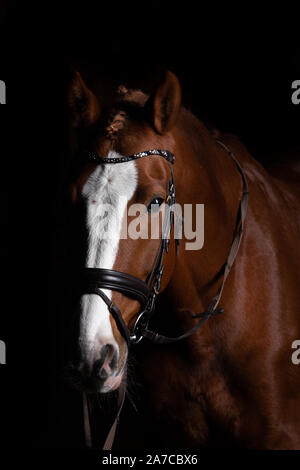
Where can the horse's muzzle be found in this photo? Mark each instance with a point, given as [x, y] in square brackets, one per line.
[102, 375]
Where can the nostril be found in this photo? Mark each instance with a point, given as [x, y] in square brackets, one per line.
[107, 364]
[114, 362]
[106, 352]
[103, 374]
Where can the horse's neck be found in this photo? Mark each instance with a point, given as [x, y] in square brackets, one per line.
[206, 174]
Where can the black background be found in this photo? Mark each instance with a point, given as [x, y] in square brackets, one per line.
[236, 74]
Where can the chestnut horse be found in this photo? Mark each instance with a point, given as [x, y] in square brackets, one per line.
[232, 378]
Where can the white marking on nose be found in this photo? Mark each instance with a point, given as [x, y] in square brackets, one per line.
[107, 192]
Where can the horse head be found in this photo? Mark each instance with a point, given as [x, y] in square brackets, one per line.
[119, 248]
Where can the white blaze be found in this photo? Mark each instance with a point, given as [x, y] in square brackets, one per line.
[107, 192]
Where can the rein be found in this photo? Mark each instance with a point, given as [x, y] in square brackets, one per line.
[96, 279]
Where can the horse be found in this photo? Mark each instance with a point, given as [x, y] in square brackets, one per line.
[230, 383]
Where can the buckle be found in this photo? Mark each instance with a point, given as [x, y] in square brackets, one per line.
[140, 325]
[157, 282]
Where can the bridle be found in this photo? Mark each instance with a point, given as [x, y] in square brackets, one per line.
[146, 292]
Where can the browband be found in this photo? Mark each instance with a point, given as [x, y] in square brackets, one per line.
[94, 157]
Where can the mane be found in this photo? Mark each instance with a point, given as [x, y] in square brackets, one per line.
[201, 135]
[282, 187]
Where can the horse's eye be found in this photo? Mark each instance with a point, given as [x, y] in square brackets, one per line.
[155, 204]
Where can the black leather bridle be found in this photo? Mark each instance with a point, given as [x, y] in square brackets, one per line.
[145, 292]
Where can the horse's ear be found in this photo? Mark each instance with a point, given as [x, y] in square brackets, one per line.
[84, 105]
[165, 103]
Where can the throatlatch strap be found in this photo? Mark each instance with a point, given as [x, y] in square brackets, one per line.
[238, 228]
